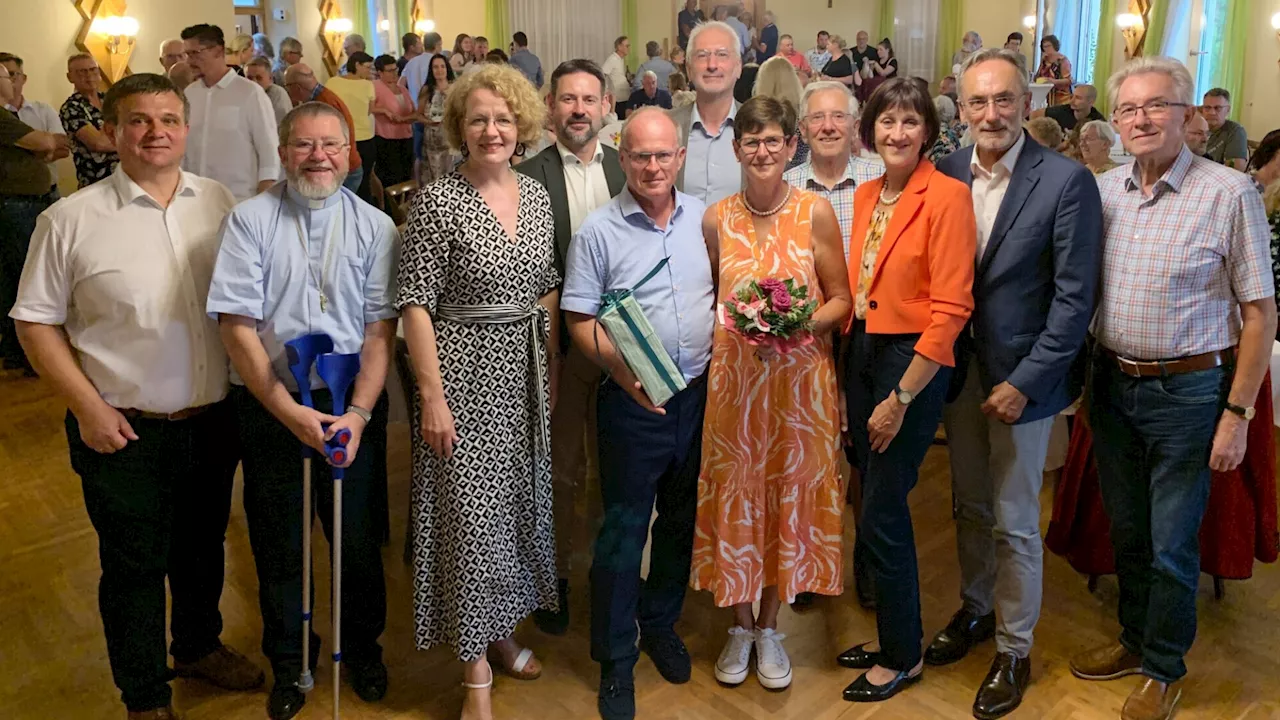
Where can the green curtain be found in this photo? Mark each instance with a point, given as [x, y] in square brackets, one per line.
[404, 20]
[631, 28]
[495, 23]
[886, 22]
[1157, 19]
[950, 35]
[360, 21]
[1104, 59]
[1228, 72]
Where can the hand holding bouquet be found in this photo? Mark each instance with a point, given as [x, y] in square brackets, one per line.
[771, 313]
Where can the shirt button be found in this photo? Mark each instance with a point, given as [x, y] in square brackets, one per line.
[680, 316]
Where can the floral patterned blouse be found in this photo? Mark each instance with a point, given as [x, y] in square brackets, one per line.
[77, 112]
[870, 249]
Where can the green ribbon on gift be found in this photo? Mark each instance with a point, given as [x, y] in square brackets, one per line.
[615, 300]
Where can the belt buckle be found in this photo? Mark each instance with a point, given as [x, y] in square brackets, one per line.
[1126, 363]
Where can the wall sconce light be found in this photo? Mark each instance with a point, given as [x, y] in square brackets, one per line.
[1029, 22]
[1275, 24]
[338, 26]
[424, 26]
[1131, 27]
[116, 32]
[384, 26]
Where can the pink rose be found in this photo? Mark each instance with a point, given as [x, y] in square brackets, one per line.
[781, 300]
[771, 285]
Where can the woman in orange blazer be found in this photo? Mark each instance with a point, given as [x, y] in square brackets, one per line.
[911, 265]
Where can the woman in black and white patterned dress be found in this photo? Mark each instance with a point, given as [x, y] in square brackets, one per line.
[478, 293]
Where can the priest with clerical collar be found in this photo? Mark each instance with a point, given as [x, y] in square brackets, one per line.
[308, 256]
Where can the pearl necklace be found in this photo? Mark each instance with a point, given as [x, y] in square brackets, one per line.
[766, 213]
[887, 202]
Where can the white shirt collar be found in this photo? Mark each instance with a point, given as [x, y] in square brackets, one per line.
[567, 155]
[130, 191]
[1009, 160]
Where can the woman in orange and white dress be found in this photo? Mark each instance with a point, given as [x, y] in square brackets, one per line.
[769, 495]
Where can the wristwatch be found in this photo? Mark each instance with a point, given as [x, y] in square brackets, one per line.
[364, 414]
[904, 397]
[1245, 412]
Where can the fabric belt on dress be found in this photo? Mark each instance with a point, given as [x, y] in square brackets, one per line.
[539, 321]
[1176, 366]
[185, 414]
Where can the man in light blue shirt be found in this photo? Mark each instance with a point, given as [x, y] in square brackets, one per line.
[739, 27]
[656, 64]
[645, 451]
[526, 62]
[308, 256]
[711, 172]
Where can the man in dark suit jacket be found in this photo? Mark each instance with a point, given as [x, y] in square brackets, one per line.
[1035, 287]
[580, 174]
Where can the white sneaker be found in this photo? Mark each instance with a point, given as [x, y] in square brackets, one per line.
[735, 659]
[773, 667]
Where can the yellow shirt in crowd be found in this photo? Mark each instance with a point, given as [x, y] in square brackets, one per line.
[357, 94]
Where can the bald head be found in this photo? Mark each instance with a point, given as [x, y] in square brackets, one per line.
[300, 81]
[1198, 134]
[647, 123]
[651, 157]
[181, 74]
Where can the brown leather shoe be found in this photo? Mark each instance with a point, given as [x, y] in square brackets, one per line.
[1152, 700]
[1106, 663]
[164, 713]
[225, 668]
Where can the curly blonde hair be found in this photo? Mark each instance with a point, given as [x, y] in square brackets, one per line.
[509, 84]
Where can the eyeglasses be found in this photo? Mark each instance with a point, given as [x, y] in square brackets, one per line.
[721, 54]
[193, 53]
[478, 124]
[641, 159]
[772, 144]
[329, 147]
[1002, 102]
[1155, 110]
[816, 119]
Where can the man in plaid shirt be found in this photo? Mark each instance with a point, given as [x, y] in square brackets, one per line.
[1184, 330]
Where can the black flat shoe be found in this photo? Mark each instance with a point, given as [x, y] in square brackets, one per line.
[555, 622]
[955, 641]
[669, 655]
[616, 699]
[803, 601]
[285, 702]
[859, 658]
[861, 690]
[369, 681]
[1001, 693]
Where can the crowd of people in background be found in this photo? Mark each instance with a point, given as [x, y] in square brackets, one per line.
[948, 290]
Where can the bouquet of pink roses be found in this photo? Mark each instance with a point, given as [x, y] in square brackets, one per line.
[771, 312]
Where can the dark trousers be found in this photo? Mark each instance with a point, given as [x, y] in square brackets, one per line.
[395, 160]
[160, 508]
[1152, 439]
[875, 366]
[862, 574]
[18, 215]
[273, 508]
[644, 457]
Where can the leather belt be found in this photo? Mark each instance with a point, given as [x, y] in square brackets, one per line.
[185, 414]
[1177, 366]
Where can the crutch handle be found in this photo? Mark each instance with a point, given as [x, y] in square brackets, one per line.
[335, 448]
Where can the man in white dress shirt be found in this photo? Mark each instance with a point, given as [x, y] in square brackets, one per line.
[233, 129]
[615, 68]
[40, 116]
[111, 312]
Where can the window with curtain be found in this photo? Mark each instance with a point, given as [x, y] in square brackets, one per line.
[915, 38]
[562, 30]
[1177, 33]
[1075, 23]
[1212, 34]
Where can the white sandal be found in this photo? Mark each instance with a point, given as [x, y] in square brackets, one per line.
[517, 669]
[479, 686]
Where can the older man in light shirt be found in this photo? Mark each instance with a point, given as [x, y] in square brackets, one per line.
[111, 312]
[172, 52]
[711, 171]
[258, 70]
[308, 256]
[233, 129]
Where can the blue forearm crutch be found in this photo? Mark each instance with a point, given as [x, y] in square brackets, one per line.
[337, 371]
[302, 354]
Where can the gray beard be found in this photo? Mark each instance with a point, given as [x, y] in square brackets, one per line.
[314, 191]
[577, 142]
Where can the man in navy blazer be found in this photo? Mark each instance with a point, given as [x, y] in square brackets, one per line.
[1038, 262]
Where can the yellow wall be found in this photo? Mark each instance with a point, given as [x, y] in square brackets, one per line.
[1260, 112]
[43, 34]
[802, 19]
[463, 16]
[993, 20]
[301, 21]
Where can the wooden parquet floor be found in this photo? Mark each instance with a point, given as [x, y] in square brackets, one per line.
[53, 657]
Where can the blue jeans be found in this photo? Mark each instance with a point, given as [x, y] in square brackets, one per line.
[1152, 438]
[874, 367]
[18, 215]
[644, 458]
[419, 132]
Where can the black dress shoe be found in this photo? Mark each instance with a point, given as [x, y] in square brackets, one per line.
[861, 690]
[859, 658]
[1001, 693]
[803, 601]
[616, 699]
[555, 622]
[286, 701]
[669, 655]
[369, 680]
[963, 632]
